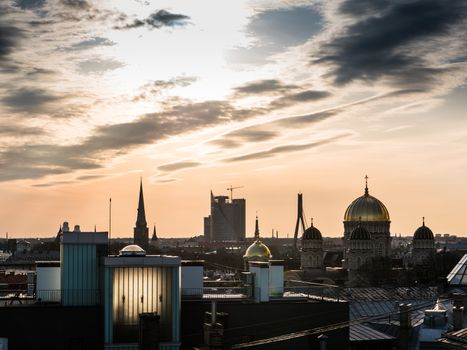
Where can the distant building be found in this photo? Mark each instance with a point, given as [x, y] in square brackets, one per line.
[423, 244]
[311, 255]
[227, 219]
[141, 231]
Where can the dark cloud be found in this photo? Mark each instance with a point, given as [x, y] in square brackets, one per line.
[90, 177]
[30, 100]
[9, 39]
[276, 151]
[35, 71]
[77, 4]
[392, 40]
[156, 87]
[54, 183]
[178, 166]
[304, 120]
[159, 19]
[35, 161]
[275, 30]
[90, 43]
[249, 134]
[20, 130]
[300, 97]
[98, 65]
[261, 87]
[364, 7]
[29, 4]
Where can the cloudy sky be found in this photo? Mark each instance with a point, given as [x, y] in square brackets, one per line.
[275, 96]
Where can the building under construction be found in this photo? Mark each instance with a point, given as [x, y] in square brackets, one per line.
[227, 219]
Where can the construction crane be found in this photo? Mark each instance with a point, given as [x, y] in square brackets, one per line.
[231, 190]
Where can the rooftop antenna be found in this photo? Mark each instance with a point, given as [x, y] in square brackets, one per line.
[110, 218]
[300, 219]
[231, 190]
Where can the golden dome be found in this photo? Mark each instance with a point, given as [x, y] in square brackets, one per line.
[366, 208]
[257, 250]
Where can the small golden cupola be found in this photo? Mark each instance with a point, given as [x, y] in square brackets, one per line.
[257, 251]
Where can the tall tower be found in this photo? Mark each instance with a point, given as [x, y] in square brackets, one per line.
[140, 232]
[300, 220]
[227, 219]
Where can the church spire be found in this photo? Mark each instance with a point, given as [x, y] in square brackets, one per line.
[366, 185]
[154, 235]
[140, 232]
[141, 218]
[256, 228]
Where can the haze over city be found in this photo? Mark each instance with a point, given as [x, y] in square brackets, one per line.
[279, 97]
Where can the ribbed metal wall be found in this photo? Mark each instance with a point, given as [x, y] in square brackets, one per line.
[79, 274]
[130, 291]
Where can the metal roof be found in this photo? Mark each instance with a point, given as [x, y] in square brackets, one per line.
[362, 333]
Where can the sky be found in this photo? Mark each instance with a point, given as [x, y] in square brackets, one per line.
[275, 97]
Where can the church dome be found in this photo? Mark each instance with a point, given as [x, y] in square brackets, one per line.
[423, 232]
[366, 208]
[132, 250]
[257, 250]
[312, 233]
[360, 233]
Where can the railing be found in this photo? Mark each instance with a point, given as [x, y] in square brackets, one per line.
[318, 293]
[215, 292]
[72, 297]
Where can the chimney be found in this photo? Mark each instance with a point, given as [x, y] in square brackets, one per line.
[405, 325]
[323, 342]
[458, 317]
[214, 331]
[65, 227]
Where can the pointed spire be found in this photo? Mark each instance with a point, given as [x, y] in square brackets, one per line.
[423, 221]
[141, 218]
[256, 228]
[154, 235]
[311, 222]
[366, 185]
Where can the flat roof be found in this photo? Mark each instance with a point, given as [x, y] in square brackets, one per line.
[148, 260]
[84, 238]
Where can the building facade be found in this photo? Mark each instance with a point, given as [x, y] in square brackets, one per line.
[226, 221]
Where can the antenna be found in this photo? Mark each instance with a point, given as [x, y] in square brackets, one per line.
[300, 219]
[110, 218]
[231, 190]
